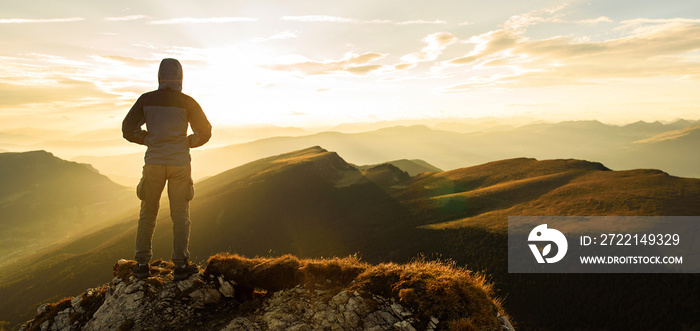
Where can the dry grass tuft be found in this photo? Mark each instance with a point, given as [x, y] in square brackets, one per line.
[339, 271]
[123, 270]
[429, 288]
[434, 288]
[462, 324]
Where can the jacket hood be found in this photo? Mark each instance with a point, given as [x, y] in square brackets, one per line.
[170, 75]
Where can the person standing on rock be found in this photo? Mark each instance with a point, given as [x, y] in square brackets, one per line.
[167, 112]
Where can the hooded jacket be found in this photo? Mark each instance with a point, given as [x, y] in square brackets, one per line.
[167, 112]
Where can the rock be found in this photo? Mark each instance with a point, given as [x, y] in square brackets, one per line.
[226, 288]
[400, 311]
[134, 287]
[176, 305]
[75, 303]
[351, 319]
[41, 309]
[299, 327]
[143, 305]
[404, 326]
[62, 319]
[212, 295]
[340, 299]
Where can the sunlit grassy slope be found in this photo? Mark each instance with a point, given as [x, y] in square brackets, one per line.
[486, 195]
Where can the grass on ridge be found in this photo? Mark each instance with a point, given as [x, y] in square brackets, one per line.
[428, 288]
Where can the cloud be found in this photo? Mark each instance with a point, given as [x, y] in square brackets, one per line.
[488, 44]
[642, 25]
[601, 19]
[61, 90]
[126, 18]
[565, 60]
[188, 20]
[639, 21]
[39, 20]
[363, 70]
[320, 18]
[437, 42]
[420, 22]
[126, 59]
[522, 21]
[338, 19]
[278, 36]
[404, 66]
[554, 14]
[352, 63]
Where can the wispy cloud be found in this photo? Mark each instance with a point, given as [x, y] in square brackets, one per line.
[437, 42]
[337, 19]
[126, 18]
[601, 19]
[357, 64]
[640, 25]
[39, 20]
[320, 18]
[545, 15]
[420, 22]
[278, 36]
[188, 20]
[125, 59]
[661, 21]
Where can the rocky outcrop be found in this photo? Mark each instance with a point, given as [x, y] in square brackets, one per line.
[211, 302]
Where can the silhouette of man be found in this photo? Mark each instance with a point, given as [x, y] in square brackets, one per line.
[166, 112]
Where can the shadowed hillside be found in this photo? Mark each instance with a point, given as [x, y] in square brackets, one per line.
[312, 203]
[44, 199]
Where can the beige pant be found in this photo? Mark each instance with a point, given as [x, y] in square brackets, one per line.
[180, 192]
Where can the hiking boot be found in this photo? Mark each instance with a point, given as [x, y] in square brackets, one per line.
[184, 272]
[141, 271]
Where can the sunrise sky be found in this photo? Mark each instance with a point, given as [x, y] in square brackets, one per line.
[80, 65]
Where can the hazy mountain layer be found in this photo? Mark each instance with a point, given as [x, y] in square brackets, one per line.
[44, 199]
[619, 147]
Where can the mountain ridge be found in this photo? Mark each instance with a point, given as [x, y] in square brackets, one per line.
[292, 204]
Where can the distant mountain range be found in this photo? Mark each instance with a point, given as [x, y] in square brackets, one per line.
[44, 199]
[633, 146]
[313, 203]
